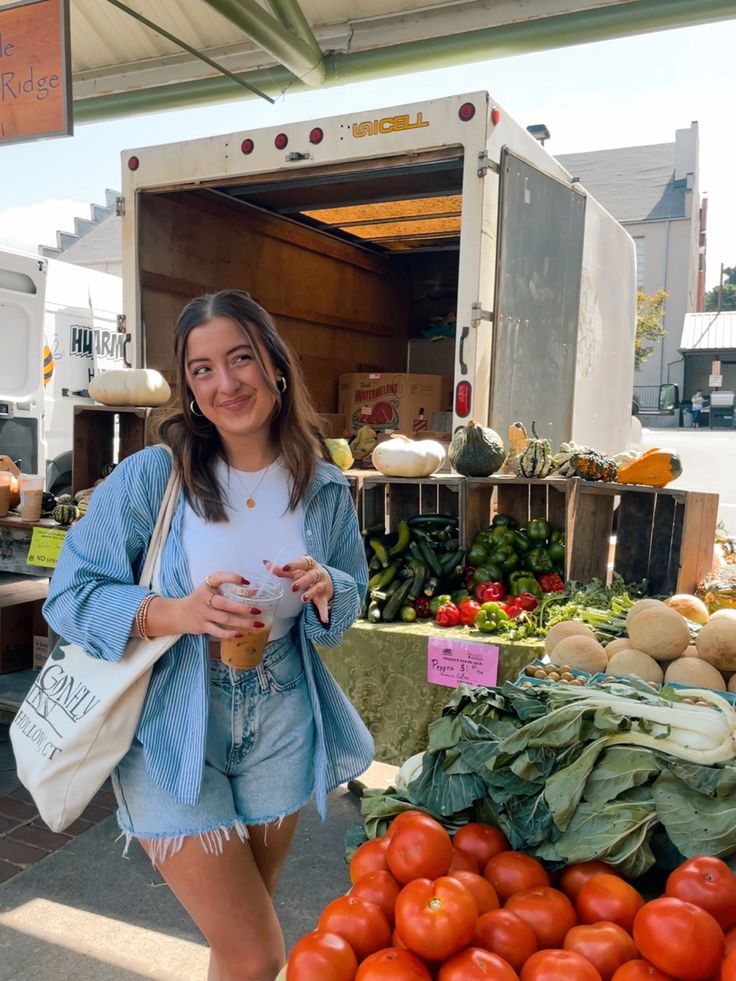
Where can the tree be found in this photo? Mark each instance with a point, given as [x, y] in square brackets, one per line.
[649, 317]
[728, 301]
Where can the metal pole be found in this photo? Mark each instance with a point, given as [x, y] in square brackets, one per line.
[292, 17]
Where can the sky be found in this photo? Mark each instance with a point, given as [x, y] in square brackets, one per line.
[627, 92]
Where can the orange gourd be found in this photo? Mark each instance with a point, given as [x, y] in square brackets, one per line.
[655, 468]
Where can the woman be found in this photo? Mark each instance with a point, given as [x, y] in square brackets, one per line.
[224, 759]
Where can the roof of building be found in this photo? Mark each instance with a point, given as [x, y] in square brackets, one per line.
[103, 243]
[634, 183]
[709, 331]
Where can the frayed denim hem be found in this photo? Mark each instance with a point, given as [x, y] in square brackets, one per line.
[162, 847]
[278, 818]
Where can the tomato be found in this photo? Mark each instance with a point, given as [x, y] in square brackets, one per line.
[730, 940]
[679, 938]
[548, 912]
[640, 970]
[369, 857]
[606, 945]
[434, 919]
[506, 934]
[402, 819]
[574, 877]
[321, 955]
[510, 872]
[361, 923]
[421, 848]
[609, 898]
[558, 965]
[462, 862]
[482, 841]
[378, 887]
[476, 963]
[728, 968]
[481, 890]
[709, 883]
[392, 965]
[396, 940]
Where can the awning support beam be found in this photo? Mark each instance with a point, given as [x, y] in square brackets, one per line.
[291, 15]
[302, 58]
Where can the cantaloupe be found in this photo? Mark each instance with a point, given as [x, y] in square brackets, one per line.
[716, 643]
[642, 604]
[660, 632]
[689, 607]
[619, 644]
[565, 628]
[694, 673]
[630, 661]
[581, 652]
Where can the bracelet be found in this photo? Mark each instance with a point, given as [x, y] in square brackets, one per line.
[141, 616]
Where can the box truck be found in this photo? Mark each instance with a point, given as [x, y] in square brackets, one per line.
[59, 324]
[370, 235]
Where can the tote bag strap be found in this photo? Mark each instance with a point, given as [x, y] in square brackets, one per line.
[161, 528]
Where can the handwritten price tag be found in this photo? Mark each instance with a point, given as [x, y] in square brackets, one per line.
[45, 547]
[454, 662]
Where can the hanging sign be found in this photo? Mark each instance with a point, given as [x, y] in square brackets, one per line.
[453, 662]
[45, 546]
[35, 70]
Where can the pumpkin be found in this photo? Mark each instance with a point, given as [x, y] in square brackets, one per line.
[400, 456]
[64, 514]
[476, 451]
[131, 386]
[655, 468]
[536, 460]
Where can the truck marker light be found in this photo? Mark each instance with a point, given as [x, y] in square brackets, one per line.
[247, 146]
[495, 115]
[316, 135]
[466, 112]
[462, 398]
[281, 141]
[133, 163]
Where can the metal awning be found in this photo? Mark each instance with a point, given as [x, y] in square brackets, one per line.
[709, 332]
[133, 56]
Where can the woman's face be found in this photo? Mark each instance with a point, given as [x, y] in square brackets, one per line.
[227, 381]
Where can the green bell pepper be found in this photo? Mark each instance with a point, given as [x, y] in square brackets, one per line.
[505, 558]
[502, 536]
[459, 595]
[478, 554]
[504, 521]
[558, 535]
[538, 560]
[489, 616]
[556, 552]
[437, 601]
[538, 530]
[487, 573]
[521, 543]
[525, 583]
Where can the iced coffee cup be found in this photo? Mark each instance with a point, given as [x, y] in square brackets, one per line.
[31, 496]
[5, 481]
[263, 593]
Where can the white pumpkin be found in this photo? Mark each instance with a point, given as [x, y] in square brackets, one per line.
[130, 386]
[400, 456]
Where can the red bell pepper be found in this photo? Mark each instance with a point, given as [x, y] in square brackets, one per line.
[513, 610]
[421, 607]
[527, 601]
[551, 583]
[490, 592]
[468, 612]
[447, 616]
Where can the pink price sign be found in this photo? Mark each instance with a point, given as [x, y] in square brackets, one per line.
[455, 662]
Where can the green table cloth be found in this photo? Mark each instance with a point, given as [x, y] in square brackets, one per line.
[383, 670]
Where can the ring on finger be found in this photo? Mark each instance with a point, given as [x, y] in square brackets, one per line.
[209, 601]
[310, 562]
[317, 576]
[209, 584]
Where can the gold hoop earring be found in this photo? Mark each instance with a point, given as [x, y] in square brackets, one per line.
[195, 409]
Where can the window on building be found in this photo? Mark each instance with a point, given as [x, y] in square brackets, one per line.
[639, 245]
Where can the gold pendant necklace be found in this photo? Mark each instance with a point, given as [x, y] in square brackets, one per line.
[250, 501]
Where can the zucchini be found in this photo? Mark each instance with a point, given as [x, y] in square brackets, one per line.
[420, 574]
[391, 609]
[403, 539]
[427, 554]
[450, 560]
[380, 551]
[374, 612]
[433, 520]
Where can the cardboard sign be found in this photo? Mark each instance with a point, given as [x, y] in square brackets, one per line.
[35, 70]
[45, 547]
[715, 381]
[453, 662]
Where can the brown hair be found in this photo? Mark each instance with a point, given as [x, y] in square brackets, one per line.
[195, 442]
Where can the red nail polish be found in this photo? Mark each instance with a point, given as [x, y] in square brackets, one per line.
[287, 568]
[294, 588]
[245, 582]
[254, 611]
[304, 599]
[238, 636]
[258, 625]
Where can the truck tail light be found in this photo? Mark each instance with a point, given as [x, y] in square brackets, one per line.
[463, 392]
[495, 115]
[281, 142]
[247, 146]
[316, 135]
[466, 112]
[133, 163]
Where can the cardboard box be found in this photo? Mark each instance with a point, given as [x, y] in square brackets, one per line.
[390, 401]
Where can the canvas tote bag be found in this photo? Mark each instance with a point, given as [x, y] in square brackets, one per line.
[79, 718]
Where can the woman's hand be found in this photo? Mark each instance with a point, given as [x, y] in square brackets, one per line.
[205, 611]
[307, 575]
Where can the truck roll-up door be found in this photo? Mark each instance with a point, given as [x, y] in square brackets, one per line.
[538, 279]
[22, 293]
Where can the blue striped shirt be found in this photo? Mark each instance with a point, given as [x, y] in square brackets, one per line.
[93, 598]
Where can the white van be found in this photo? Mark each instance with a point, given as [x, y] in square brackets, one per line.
[58, 327]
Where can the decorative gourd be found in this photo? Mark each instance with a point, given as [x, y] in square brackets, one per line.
[132, 386]
[518, 441]
[65, 499]
[48, 503]
[400, 456]
[592, 465]
[655, 468]
[476, 451]
[107, 469]
[536, 460]
[64, 514]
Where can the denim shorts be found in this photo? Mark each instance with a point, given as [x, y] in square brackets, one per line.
[259, 762]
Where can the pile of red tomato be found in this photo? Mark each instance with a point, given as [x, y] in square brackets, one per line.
[425, 906]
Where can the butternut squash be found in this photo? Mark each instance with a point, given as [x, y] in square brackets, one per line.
[655, 468]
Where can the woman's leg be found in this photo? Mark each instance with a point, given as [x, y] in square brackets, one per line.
[226, 896]
[270, 845]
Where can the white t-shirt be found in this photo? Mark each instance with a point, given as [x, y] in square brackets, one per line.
[267, 531]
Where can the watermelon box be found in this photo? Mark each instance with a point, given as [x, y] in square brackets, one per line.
[388, 401]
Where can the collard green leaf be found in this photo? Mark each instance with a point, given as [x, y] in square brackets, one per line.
[444, 733]
[696, 824]
[618, 769]
[711, 781]
[566, 726]
[565, 788]
[531, 821]
[617, 833]
[442, 793]
[354, 836]
[379, 810]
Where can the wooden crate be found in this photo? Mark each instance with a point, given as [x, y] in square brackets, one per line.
[20, 601]
[519, 497]
[15, 541]
[388, 500]
[97, 444]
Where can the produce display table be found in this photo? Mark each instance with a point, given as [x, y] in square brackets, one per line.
[383, 670]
